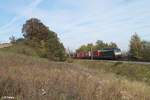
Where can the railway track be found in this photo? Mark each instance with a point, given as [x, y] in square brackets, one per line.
[131, 62]
[124, 61]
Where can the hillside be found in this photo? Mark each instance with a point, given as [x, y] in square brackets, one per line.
[132, 71]
[4, 45]
[31, 78]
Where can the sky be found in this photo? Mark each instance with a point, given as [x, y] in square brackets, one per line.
[79, 22]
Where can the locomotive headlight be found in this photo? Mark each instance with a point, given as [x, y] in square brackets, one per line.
[117, 53]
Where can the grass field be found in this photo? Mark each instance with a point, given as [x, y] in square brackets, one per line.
[133, 72]
[31, 78]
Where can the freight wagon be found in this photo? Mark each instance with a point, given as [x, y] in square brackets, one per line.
[107, 53]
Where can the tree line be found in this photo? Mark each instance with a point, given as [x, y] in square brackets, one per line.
[47, 44]
[138, 49]
[97, 46]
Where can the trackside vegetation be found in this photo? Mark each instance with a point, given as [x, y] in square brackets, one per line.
[97, 46]
[139, 50]
[133, 72]
[30, 78]
[38, 38]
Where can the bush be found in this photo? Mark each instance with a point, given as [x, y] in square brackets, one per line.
[38, 35]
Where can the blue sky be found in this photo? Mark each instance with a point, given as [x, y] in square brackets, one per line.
[79, 22]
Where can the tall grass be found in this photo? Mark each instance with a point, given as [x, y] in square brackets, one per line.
[28, 78]
[136, 72]
[21, 48]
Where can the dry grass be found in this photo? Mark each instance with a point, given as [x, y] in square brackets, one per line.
[27, 78]
[133, 72]
[5, 45]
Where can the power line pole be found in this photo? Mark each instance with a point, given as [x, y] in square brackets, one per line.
[91, 53]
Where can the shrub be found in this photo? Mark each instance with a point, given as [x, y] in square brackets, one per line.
[38, 35]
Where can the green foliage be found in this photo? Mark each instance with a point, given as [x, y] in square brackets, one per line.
[146, 50]
[12, 39]
[55, 49]
[21, 48]
[98, 46]
[44, 40]
[136, 47]
[113, 45]
[136, 72]
[139, 50]
[35, 30]
[20, 40]
[87, 47]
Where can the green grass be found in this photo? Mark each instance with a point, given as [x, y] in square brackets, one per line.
[138, 72]
[21, 48]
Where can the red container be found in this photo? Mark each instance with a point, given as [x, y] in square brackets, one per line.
[83, 55]
[97, 53]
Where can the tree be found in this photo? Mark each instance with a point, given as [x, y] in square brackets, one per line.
[136, 47]
[20, 40]
[34, 31]
[100, 44]
[113, 45]
[12, 39]
[46, 41]
[146, 50]
[86, 48]
[56, 50]
[90, 47]
[82, 48]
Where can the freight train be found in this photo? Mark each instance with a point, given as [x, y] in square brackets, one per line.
[107, 54]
